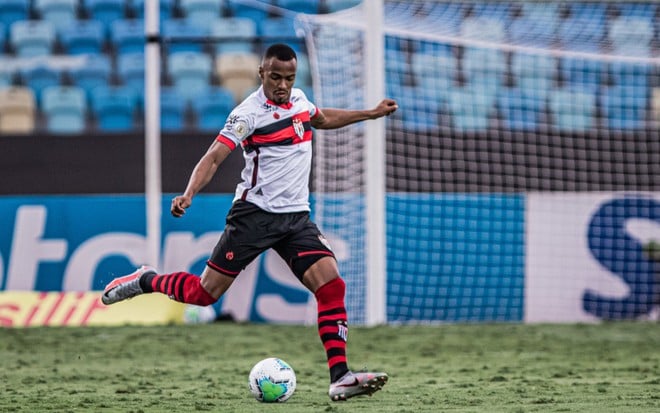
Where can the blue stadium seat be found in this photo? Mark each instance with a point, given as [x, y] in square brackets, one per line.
[584, 33]
[190, 73]
[471, 108]
[631, 36]
[300, 6]
[40, 77]
[31, 38]
[484, 66]
[201, 12]
[234, 34]
[493, 10]
[483, 28]
[532, 31]
[114, 108]
[127, 36]
[187, 36]
[13, 10]
[83, 37]
[65, 109]
[165, 11]
[420, 109]
[594, 11]
[644, 10]
[582, 72]
[106, 11]
[212, 107]
[573, 110]
[624, 107]
[280, 30]
[631, 74]
[61, 13]
[172, 111]
[3, 37]
[6, 76]
[130, 69]
[303, 74]
[533, 73]
[239, 9]
[434, 71]
[337, 5]
[96, 72]
[519, 109]
[543, 11]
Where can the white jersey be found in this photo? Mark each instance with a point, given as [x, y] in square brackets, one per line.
[277, 147]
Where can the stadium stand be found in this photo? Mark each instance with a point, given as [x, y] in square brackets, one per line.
[83, 37]
[573, 110]
[13, 10]
[32, 38]
[183, 36]
[40, 77]
[18, 110]
[190, 73]
[238, 73]
[172, 110]
[106, 11]
[60, 13]
[202, 13]
[96, 72]
[114, 108]
[211, 108]
[130, 70]
[234, 34]
[166, 9]
[65, 109]
[127, 36]
[300, 6]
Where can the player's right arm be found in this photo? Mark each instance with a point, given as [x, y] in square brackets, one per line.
[201, 175]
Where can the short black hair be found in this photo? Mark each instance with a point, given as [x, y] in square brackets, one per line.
[281, 52]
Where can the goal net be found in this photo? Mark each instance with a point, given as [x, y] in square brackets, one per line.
[522, 167]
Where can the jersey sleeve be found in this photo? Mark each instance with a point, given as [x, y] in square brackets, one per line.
[239, 125]
[311, 107]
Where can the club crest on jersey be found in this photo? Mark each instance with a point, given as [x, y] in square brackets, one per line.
[298, 127]
[229, 255]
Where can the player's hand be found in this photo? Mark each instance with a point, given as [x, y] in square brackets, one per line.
[179, 205]
[386, 107]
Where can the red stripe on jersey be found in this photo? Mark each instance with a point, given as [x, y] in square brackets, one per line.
[226, 141]
[287, 132]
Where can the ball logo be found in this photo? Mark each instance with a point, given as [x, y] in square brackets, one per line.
[229, 255]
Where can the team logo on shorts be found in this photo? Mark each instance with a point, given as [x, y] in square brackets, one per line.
[325, 242]
[298, 127]
[229, 255]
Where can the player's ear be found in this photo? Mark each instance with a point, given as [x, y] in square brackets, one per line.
[261, 72]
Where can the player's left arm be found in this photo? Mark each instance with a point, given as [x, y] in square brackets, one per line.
[330, 118]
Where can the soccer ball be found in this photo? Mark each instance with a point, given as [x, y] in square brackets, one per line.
[272, 380]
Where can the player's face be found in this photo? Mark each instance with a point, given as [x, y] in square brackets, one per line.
[277, 78]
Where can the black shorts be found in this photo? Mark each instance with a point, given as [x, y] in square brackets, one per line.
[250, 231]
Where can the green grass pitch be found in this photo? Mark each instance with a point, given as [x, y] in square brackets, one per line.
[610, 367]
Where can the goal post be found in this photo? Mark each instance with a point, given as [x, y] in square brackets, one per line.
[520, 171]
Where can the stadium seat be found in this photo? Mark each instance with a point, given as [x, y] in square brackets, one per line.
[434, 71]
[3, 37]
[17, 110]
[520, 110]
[127, 36]
[187, 36]
[61, 13]
[114, 108]
[484, 66]
[65, 109]
[542, 11]
[594, 11]
[483, 28]
[572, 110]
[106, 11]
[165, 11]
[190, 73]
[638, 9]
[238, 73]
[471, 108]
[234, 34]
[533, 73]
[237, 8]
[130, 69]
[6, 76]
[83, 37]
[280, 30]
[40, 77]
[624, 107]
[582, 72]
[584, 33]
[96, 72]
[500, 11]
[631, 74]
[337, 5]
[201, 13]
[533, 31]
[421, 109]
[14, 10]
[172, 111]
[303, 73]
[300, 6]
[631, 36]
[31, 38]
[212, 107]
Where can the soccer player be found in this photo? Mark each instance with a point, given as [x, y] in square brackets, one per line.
[270, 210]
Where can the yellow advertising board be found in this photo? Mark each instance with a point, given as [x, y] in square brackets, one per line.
[34, 309]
